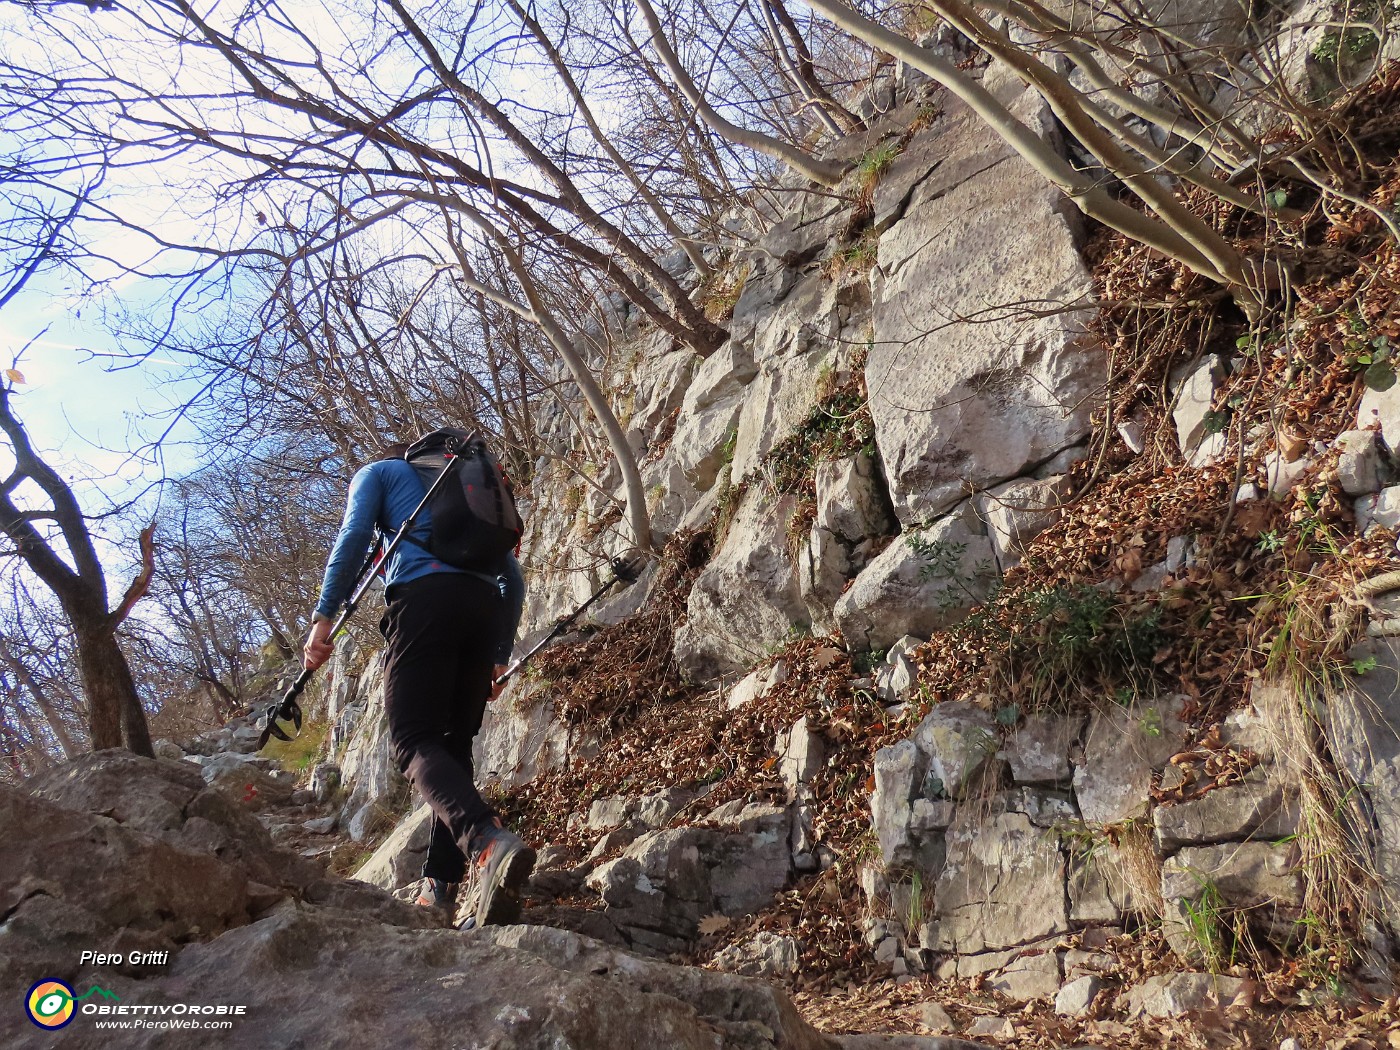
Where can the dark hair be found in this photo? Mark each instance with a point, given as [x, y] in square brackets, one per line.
[394, 451]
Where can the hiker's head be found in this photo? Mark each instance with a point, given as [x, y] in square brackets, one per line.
[394, 451]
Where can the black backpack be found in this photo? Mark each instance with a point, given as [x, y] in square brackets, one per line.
[474, 520]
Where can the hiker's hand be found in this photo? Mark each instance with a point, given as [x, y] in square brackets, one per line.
[318, 648]
[496, 686]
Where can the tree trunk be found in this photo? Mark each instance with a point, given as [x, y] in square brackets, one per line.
[114, 707]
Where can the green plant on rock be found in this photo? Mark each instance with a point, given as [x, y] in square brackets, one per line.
[872, 166]
[920, 903]
[943, 561]
[1058, 645]
[1080, 841]
[726, 450]
[866, 663]
[1205, 926]
[1358, 39]
[837, 426]
[859, 257]
[942, 558]
[722, 291]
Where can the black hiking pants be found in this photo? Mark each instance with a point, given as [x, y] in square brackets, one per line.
[440, 632]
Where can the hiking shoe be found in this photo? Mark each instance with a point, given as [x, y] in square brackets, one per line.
[439, 895]
[503, 866]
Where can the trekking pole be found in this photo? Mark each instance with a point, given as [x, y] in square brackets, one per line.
[624, 571]
[287, 709]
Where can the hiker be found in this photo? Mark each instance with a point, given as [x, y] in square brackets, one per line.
[448, 635]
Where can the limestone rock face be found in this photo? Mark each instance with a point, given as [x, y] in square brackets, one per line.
[748, 598]
[651, 811]
[959, 740]
[77, 881]
[309, 973]
[767, 954]
[852, 516]
[1075, 998]
[247, 780]
[916, 587]
[377, 790]
[114, 853]
[801, 751]
[1364, 734]
[961, 394]
[813, 329]
[899, 774]
[340, 680]
[520, 737]
[824, 566]
[1264, 807]
[1173, 994]
[1019, 511]
[851, 499]
[1121, 749]
[659, 381]
[702, 440]
[1258, 881]
[1361, 463]
[398, 861]
[896, 676]
[171, 801]
[1195, 389]
[1038, 749]
[118, 853]
[667, 880]
[1246, 874]
[1381, 409]
[1036, 975]
[916, 781]
[1003, 884]
[749, 688]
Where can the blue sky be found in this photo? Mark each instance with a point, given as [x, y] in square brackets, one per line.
[84, 417]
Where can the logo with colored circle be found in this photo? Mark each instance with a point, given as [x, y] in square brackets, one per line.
[50, 1004]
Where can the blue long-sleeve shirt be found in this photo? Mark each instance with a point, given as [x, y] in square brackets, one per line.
[384, 494]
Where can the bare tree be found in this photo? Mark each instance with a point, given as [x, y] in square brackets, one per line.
[115, 715]
[827, 173]
[44, 191]
[41, 701]
[211, 627]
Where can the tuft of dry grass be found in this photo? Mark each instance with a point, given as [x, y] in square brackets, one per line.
[1134, 857]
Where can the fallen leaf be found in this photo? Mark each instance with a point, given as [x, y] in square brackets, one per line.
[1292, 444]
[1244, 998]
[712, 924]
[1251, 518]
